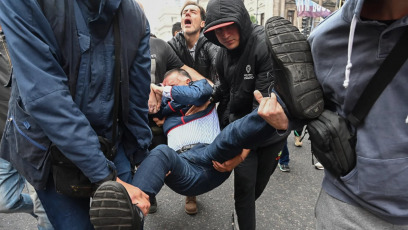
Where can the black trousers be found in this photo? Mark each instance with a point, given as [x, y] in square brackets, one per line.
[250, 180]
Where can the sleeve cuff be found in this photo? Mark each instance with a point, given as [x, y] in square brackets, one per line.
[167, 91]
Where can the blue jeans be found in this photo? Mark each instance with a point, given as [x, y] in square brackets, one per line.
[73, 213]
[284, 158]
[64, 212]
[192, 172]
[13, 200]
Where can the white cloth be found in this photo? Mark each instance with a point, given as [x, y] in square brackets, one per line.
[201, 130]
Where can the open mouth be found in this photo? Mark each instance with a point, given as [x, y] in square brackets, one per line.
[187, 22]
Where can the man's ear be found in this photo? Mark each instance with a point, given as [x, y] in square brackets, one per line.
[202, 24]
[188, 80]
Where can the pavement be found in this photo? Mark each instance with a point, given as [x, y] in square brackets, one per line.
[287, 202]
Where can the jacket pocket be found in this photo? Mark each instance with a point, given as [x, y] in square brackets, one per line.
[29, 140]
[382, 177]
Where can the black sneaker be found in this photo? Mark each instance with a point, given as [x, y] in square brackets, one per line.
[112, 208]
[153, 205]
[284, 168]
[295, 79]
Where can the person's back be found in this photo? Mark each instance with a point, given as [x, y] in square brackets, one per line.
[367, 31]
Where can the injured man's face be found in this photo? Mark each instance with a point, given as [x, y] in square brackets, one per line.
[176, 78]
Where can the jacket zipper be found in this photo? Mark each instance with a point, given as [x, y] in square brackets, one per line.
[27, 137]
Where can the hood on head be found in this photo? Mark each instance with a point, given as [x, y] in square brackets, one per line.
[227, 11]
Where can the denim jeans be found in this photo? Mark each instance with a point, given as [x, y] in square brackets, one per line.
[73, 213]
[64, 212]
[13, 200]
[123, 167]
[192, 172]
[284, 158]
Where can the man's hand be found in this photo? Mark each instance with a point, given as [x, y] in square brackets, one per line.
[138, 197]
[271, 111]
[157, 89]
[154, 102]
[229, 165]
[159, 122]
[195, 109]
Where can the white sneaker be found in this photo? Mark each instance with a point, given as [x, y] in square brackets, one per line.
[298, 143]
[319, 166]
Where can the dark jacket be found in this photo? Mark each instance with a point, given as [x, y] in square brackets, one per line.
[182, 98]
[205, 53]
[5, 76]
[48, 70]
[242, 70]
[163, 59]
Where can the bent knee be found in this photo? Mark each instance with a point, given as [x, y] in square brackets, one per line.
[163, 152]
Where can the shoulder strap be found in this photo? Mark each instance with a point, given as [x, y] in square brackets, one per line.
[384, 75]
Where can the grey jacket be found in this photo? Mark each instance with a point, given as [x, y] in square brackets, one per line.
[379, 182]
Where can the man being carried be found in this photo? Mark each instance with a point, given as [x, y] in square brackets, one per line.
[191, 172]
[195, 51]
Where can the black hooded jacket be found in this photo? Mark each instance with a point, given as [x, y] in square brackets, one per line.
[243, 69]
[205, 53]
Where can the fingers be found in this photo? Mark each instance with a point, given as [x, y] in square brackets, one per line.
[191, 110]
[218, 166]
[137, 196]
[269, 105]
[144, 207]
[153, 109]
[272, 112]
[258, 96]
[195, 109]
[158, 121]
[143, 202]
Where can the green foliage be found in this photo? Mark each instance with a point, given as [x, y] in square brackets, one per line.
[253, 19]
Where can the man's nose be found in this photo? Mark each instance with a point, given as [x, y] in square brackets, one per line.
[224, 33]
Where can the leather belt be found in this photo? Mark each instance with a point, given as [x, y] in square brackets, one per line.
[186, 148]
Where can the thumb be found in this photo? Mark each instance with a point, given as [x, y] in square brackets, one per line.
[258, 96]
[273, 97]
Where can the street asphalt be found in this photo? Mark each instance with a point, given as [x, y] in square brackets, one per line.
[286, 204]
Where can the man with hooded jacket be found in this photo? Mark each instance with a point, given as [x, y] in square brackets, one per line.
[374, 194]
[243, 65]
[62, 93]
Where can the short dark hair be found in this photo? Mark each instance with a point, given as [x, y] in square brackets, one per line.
[178, 70]
[202, 11]
[176, 27]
